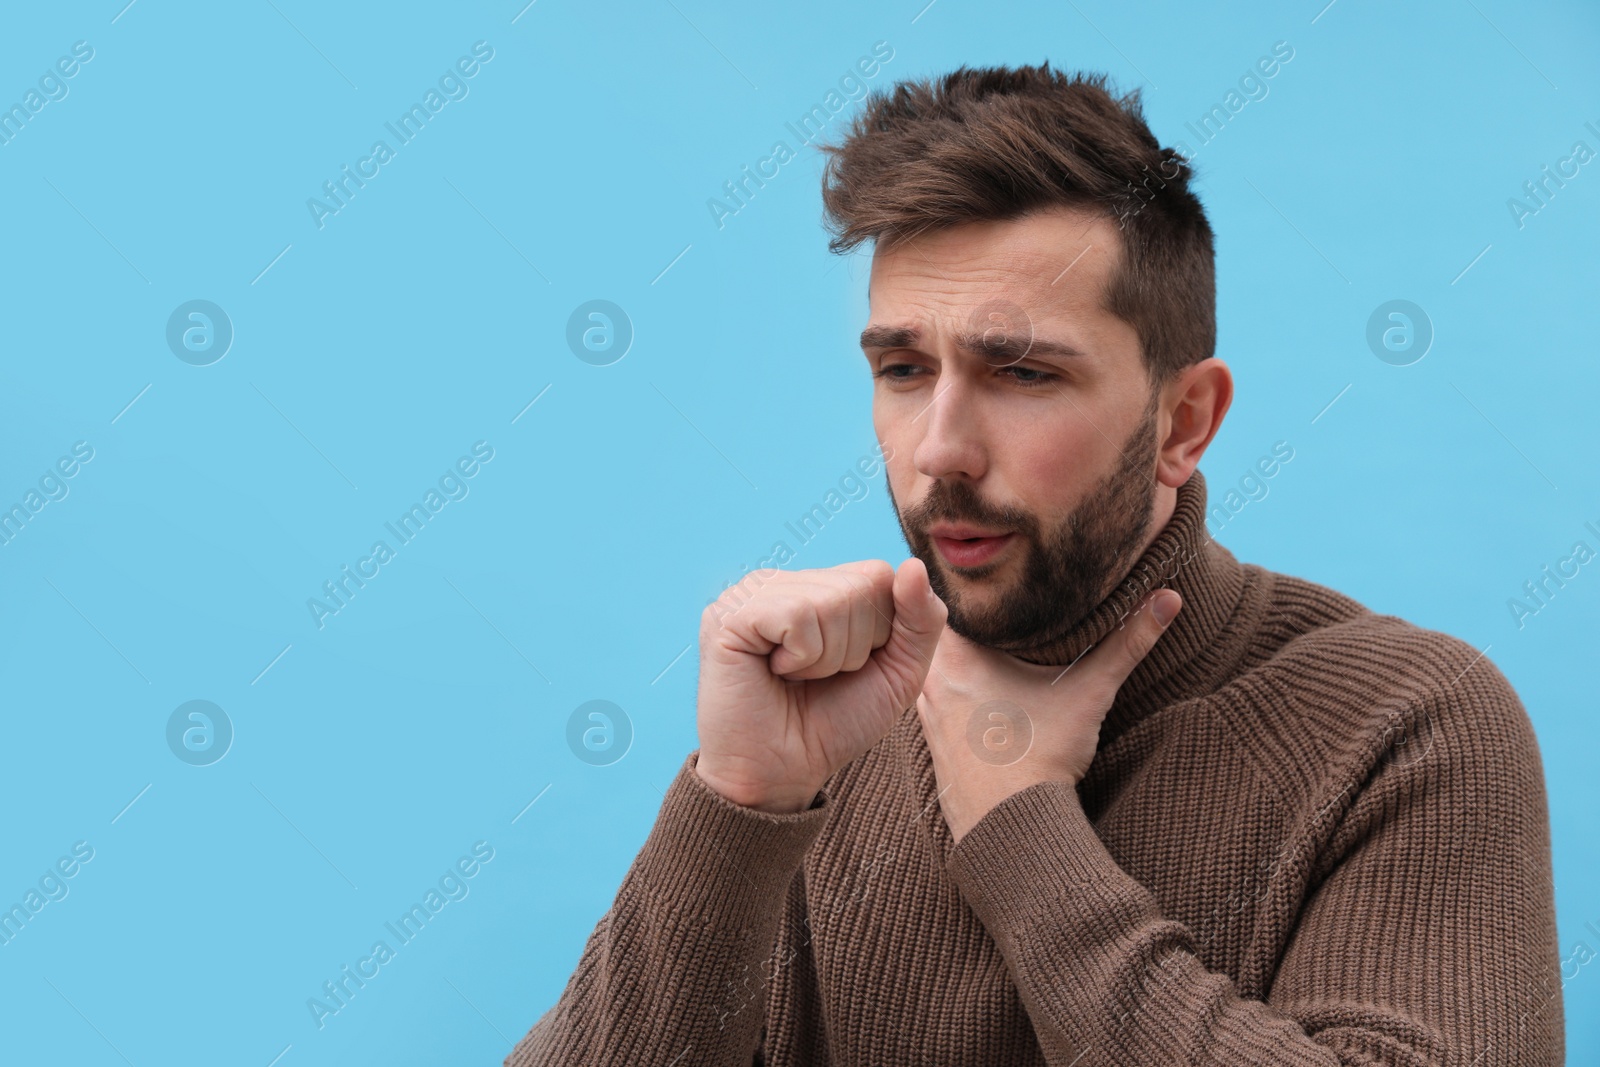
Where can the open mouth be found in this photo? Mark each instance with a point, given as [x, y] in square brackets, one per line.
[971, 551]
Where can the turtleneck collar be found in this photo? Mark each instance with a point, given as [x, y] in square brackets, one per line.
[1208, 577]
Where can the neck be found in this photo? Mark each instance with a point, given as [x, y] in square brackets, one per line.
[1181, 556]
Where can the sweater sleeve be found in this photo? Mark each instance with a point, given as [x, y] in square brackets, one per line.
[674, 972]
[1426, 936]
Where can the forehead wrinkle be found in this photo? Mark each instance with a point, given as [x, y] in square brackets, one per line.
[1029, 269]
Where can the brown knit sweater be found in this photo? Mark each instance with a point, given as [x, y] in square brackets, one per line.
[1311, 834]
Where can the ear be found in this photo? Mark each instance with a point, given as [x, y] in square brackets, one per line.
[1192, 407]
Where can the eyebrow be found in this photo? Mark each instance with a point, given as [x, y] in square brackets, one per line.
[1011, 349]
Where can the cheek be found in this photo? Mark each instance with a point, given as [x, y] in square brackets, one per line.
[1054, 462]
[882, 425]
[892, 473]
[899, 438]
[1052, 454]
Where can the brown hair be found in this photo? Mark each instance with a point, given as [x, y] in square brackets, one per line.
[993, 143]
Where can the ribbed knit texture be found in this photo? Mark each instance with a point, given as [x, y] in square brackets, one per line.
[1311, 835]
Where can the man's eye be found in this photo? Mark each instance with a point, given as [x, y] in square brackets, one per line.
[1037, 377]
[1027, 377]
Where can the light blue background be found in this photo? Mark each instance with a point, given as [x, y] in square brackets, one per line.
[371, 353]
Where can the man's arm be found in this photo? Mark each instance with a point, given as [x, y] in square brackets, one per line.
[674, 973]
[1431, 941]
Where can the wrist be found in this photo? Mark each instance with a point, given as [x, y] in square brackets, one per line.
[774, 800]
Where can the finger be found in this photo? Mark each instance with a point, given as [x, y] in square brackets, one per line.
[831, 608]
[1129, 644]
[873, 584]
[865, 619]
[919, 618]
[840, 619]
[844, 596]
[793, 627]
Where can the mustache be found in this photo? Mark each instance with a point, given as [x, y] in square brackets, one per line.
[958, 502]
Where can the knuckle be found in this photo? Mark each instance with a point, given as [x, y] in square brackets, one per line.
[754, 581]
[881, 571]
[833, 603]
[715, 613]
[748, 588]
[1142, 639]
[867, 575]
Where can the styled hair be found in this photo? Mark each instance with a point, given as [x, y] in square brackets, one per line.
[994, 143]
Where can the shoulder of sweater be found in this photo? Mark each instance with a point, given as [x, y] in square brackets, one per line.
[1331, 690]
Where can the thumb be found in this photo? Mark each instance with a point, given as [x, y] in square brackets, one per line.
[1126, 646]
[914, 631]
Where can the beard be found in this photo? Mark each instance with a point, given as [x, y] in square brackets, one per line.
[1067, 570]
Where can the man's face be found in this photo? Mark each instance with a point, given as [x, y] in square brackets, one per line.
[1013, 402]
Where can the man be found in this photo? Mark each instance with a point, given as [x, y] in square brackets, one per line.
[1072, 786]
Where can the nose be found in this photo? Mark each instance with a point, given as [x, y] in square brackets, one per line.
[952, 441]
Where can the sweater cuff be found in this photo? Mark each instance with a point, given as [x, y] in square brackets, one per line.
[723, 862]
[1036, 854]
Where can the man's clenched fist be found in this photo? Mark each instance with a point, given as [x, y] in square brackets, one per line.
[809, 671]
